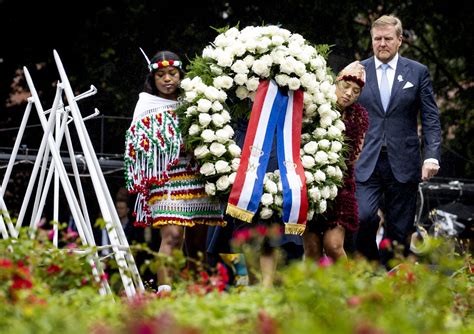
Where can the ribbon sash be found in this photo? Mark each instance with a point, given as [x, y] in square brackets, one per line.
[272, 112]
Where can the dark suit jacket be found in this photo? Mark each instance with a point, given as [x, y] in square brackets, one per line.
[399, 125]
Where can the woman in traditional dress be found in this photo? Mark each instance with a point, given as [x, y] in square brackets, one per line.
[326, 233]
[170, 195]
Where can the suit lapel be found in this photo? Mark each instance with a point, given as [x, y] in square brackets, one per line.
[401, 75]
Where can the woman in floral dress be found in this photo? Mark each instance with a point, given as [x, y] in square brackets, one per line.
[170, 195]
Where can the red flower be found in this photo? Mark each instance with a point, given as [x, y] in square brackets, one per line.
[21, 283]
[242, 235]
[5, 263]
[262, 230]
[53, 269]
[385, 244]
[410, 277]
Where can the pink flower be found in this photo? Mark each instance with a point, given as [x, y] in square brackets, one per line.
[353, 301]
[325, 261]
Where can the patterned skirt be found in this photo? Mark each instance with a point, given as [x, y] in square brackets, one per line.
[182, 200]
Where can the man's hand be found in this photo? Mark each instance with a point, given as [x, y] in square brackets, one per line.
[429, 170]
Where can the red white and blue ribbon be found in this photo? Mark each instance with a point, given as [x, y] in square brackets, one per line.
[272, 108]
[295, 197]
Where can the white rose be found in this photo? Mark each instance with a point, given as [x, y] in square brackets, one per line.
[294, 84]
[325, 86]
[310, 110]
[241, 92]
[190, 96]
[216, 106]
[217, 149]
[232, 177]
[324, 144]
[325, 121]
[310, 215]
[240, 79]
[267, 199]
[222, 167]
[260, 68]
[234, 150]
[332, 191]
[271, 187]
[334, 132]
[319, 176]
[319, 132]
[282, 79]
[235, 164]
[325, 193]
[266, 213]
[321, 157]
[305, 137]
[226, 116]
[191, 111]
[210, 189]
[223, 82]
[314, 194]
[201, 151]
[322, 206]
[223, 59]
[336, 146]
[277, 40]
[339, 173]
[223, 183]
[280, 186]
[252, 84]
[204, 105]
[331, 171]
[239, 67]
[218, 120]
[340, 125]
[278, 200]
[311, 147]
[216, 69]
[222, 136]
[308, 161]
[208, 136]
[204, 119]
[212, 93]
[194, 130]
[309, 177]
[249, 60]
[222, 96]
[324, 109]
[287, 65]
[333, 157]
[186, 84]
[207, 169]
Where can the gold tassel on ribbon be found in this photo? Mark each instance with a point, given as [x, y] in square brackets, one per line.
[297, 229]
[239, 213]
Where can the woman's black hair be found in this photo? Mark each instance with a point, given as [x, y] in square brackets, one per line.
[149, 86]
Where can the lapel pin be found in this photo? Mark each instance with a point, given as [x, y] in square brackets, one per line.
[400, 78]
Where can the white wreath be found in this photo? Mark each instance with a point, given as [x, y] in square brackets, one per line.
[219, 84]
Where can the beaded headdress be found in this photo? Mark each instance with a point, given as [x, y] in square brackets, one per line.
[161, 63]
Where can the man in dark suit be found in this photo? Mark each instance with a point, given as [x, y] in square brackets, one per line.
[398, 91]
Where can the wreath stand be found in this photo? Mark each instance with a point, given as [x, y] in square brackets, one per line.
[60, 116]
